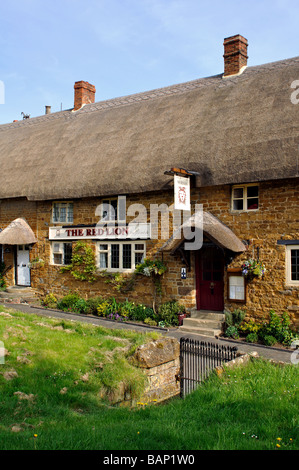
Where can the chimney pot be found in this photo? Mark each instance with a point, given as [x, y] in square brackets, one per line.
[235, 54]
[84, 94]
[47, 109]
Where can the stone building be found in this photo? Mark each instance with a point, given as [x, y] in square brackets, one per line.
[104, 172]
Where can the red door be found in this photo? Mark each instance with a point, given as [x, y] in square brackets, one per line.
[209, 279]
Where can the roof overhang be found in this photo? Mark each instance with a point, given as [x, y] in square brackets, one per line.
[18, 232]
[211, 227]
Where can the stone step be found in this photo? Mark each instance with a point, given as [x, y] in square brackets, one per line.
[206, 314]
[18, 294]
[19, 290]
[203, 323]
[199, 323]
[209, 332]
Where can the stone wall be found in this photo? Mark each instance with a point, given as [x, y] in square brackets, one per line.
[160, 361]
[276, 219]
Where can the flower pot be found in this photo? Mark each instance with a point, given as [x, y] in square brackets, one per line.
[181, 317]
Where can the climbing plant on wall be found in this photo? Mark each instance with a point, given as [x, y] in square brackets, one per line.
[153, 269]
[83, 264]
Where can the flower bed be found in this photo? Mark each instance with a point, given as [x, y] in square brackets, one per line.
[166, 315]
[275, 330]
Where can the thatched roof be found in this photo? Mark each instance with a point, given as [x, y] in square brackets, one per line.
[230, 130]
[212, 228]
[18, 232]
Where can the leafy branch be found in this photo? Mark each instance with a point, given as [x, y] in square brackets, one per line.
[83, 264]
[153, 269]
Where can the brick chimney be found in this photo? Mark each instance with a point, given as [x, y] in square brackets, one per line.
[235, 54]
[84, 94]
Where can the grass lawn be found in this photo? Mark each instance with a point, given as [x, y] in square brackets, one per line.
[66, 370]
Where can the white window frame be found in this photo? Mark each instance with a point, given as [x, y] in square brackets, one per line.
[244, 198]
[67, 204]
[120, 243]
[289, 280]
[58, 249]
[121, 202]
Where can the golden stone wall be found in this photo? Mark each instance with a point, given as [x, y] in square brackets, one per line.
[276, 219]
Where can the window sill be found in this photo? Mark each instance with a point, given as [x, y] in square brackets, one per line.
[61, 224]
[116, 270]
[292, 284]
[247, 211]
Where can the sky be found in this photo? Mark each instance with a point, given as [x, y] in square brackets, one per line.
[128, 46]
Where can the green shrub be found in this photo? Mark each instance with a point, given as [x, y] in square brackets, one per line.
[232, 332]
[279, 327]
[235, 318]
[80, 306]
[269, 340]
[250, 326]
[68, 302]
[125, 309]
[150, 321]
[92, 305]
[169, 311]
[252, 338]
[49, 301]
[141, 312]
[103, 308]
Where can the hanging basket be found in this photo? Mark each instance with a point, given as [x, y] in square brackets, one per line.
[253, 268]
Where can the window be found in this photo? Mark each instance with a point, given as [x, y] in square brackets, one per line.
[245, 198]
[122, 256]
[63, 212]
[113, 209]
[109, 210]
[292, 265]
[61, 253]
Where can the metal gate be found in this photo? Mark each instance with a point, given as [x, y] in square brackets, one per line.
[198, 359]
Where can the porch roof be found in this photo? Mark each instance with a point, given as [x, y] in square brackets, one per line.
[212, 227]
[18, 232]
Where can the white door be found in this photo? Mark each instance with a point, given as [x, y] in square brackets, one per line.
[23, 270]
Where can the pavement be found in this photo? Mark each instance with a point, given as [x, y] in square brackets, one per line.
[276, 354]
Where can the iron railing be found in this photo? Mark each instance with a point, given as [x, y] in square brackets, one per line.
[198, 359]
